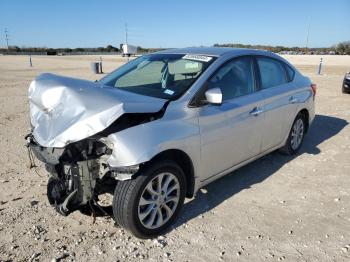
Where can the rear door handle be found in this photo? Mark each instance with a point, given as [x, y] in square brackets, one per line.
[256, 111]
[293, 100]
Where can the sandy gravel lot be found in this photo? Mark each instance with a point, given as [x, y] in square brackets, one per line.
[277, 208]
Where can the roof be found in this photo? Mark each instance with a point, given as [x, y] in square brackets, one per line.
[210, 51]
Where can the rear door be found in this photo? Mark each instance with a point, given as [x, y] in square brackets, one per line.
[231, 132]
[280, 107]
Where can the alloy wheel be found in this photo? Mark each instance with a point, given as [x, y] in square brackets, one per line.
[159, 200]
[297, 134]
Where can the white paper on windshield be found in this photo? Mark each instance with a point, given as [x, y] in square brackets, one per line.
[201, 58]
[169, 92]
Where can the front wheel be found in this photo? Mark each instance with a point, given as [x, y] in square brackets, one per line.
[296, 136]
[150, 203]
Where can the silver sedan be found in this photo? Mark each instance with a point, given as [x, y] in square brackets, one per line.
[162, 126]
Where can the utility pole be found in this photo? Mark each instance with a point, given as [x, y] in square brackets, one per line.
[307, 35]
[126, 33]
[7, 38]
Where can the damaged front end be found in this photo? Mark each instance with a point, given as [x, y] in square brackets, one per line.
[71, 120]
[78, 173]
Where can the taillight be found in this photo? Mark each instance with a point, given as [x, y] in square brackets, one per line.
[313, 88]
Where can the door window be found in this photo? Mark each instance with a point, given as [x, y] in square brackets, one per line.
[272, 72]
[235, 78]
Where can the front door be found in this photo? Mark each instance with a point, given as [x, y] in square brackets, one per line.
[231, 132]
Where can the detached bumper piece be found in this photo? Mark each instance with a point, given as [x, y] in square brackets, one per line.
[124, 173]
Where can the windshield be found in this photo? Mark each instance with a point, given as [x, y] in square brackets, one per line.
[165, 76]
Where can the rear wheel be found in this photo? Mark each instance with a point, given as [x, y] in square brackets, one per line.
[296, 136]
[150, 203]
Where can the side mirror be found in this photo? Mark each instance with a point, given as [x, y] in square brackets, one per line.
[214, 96]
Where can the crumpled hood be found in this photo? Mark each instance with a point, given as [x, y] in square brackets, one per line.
[65, 110]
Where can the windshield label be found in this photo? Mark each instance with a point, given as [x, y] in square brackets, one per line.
[169, 92]
[201, 58]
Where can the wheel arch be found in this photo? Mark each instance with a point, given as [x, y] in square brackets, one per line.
[184, 161]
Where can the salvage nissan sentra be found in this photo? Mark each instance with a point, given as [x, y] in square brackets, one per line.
[162, 126]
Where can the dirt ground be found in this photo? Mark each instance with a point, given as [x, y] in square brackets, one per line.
[277, 208]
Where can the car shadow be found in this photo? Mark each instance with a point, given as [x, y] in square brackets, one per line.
[323, 128]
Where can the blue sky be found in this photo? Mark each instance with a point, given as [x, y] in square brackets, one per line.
[162, 23]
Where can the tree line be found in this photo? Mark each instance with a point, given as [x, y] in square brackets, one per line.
[342, 48]
[54, 51]
[34, 50]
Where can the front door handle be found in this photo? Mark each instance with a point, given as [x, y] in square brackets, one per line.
[293, 100]
[256, 111]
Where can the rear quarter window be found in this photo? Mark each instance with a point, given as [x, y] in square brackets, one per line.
[290, 72]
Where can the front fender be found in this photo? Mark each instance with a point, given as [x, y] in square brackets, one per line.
[141, 143]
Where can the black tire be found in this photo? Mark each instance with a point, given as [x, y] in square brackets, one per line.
[287, 148]
[56, 191]
[127, 195]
